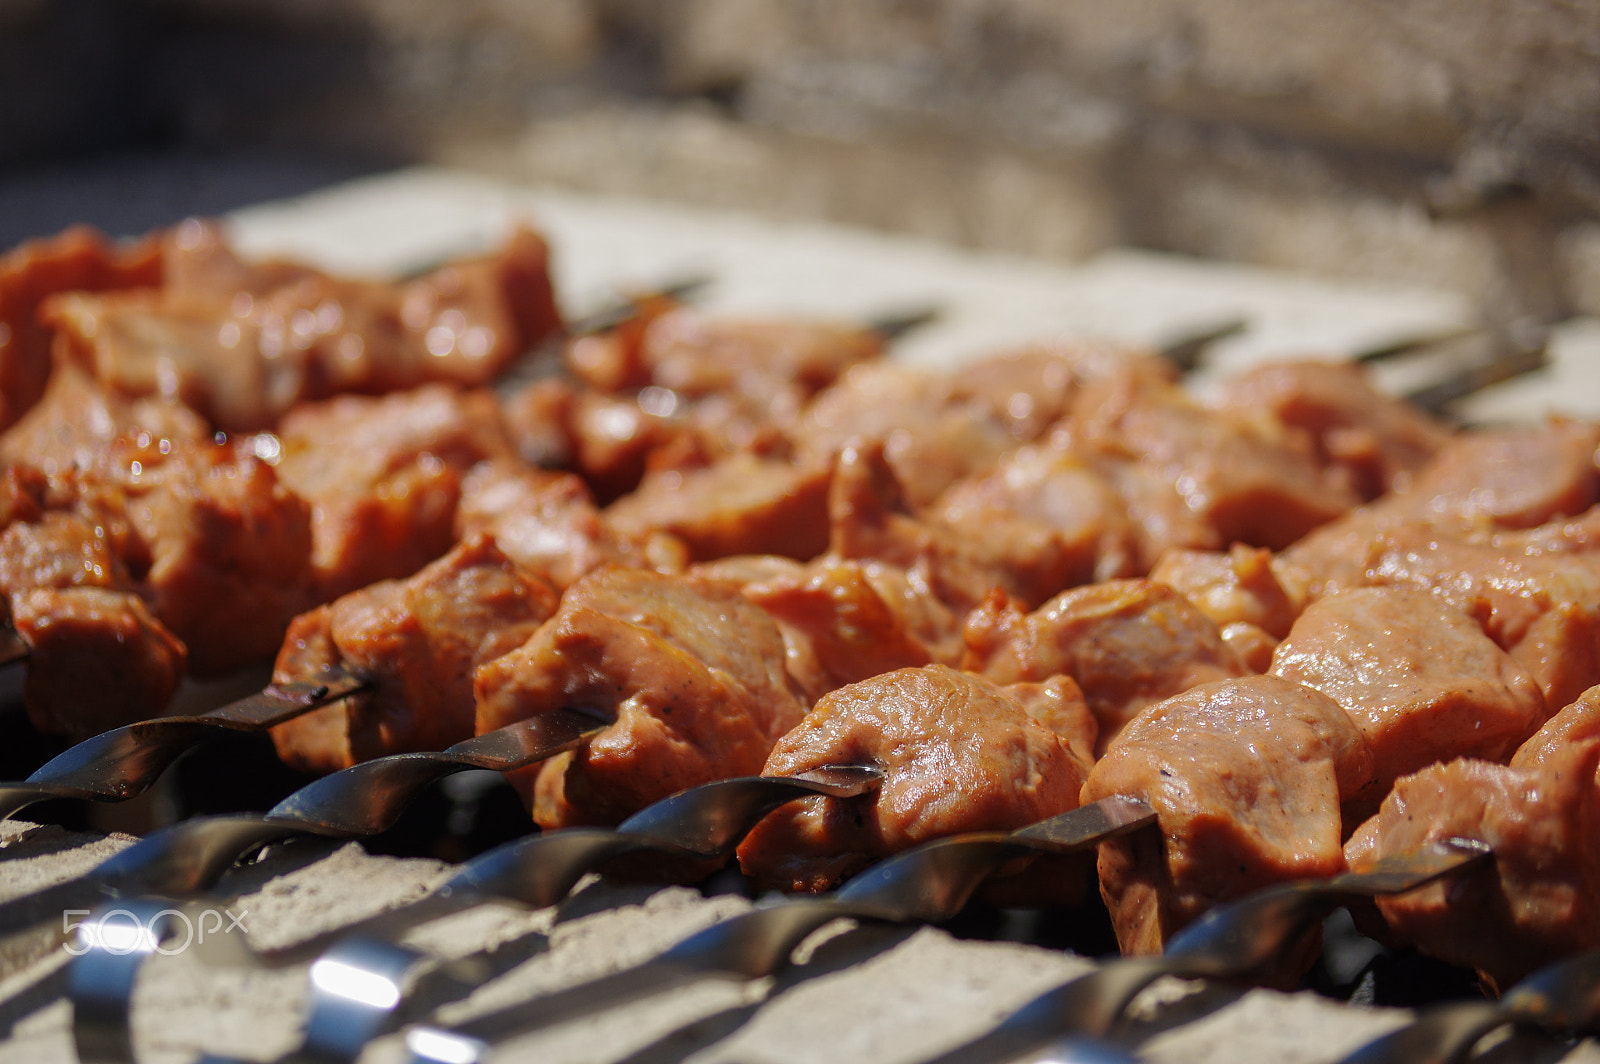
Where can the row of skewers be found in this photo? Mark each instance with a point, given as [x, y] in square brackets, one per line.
[1050, 578]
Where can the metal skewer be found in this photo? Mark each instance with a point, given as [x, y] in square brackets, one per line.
[1239, 941]
[926, 884]
[122, 763]
[1564, 996]
[703, 822]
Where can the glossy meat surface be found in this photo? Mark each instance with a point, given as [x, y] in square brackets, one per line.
[958, 752]
[1246, 482]
[741, 504]
[77, 260]
[1537, 901]
[1246, 777]
[100, 659]
[418, 641]
[1127, 643]
[77, 418]
[383, 477]
[242, 344]
[549, 522]
[1419, 678]
[225, 546]
[839, 627]
[1377, 442]
[692, 672]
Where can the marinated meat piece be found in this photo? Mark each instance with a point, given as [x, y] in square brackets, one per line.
[738, 505]
[1577, 723]
[1511, 478]
[418, 641]
[98, 659]
[289, 334]
[1127, 643]
[1543, 610]
[692, 671]
[1378, 442]
[1245, 482]
[537, 416]
[383, 476]
[1480, 484]
[933, 431]
[225, 548]
[77, 418]
[1419, 678]
[837, 627]
[59, 549]
[1050, 501]
[1537, 901]
[1035, 386]
[870, 519]
[1162, 519]
[549, 522]
[958, 753]
[77, 260]
[1577, 535]
[1246, 778]
[695, 354]
[1243, 585]
[611, 439]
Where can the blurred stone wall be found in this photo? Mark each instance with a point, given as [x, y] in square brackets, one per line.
[1447, 141]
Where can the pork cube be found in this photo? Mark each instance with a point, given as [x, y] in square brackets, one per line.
[958, 753]
[741, 504]
[383, 477]
[839, 628]
[417, 642]
[98, 659]
[226, 545]
[1247, 482]
[1537, 900]
[1377, 441]
[1127, 643]
[77, 260]
[1419, 678]
[548, 521]
[1246, 777]
[691, 671]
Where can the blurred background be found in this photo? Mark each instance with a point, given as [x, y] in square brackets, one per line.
[1448, 142]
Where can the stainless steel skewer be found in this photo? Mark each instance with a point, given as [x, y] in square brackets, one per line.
[926, 884]
[364, 799]
[1564, 996]
[1239, 941]
[122, 763]
[703, 822]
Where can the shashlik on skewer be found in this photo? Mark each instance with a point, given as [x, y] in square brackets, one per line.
[1189, 476]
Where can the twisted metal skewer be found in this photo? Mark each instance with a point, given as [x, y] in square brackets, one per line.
[1239, 941]
[923, 885]
[1563, 997]
[704, 822]
[122, 763]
